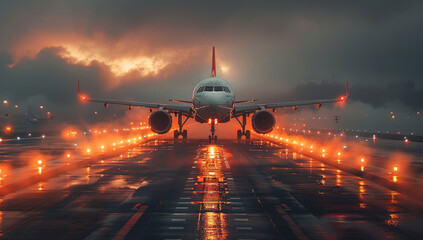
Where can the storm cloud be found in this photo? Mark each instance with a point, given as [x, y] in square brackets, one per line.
[155, 50]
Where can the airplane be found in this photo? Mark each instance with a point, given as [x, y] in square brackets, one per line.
[213, 101]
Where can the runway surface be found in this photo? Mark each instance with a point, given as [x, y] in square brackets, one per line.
[166, 189]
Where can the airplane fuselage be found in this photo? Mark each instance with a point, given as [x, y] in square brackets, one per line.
[213, 98]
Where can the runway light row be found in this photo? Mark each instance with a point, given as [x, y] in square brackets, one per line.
[122, 143]
[324, 153]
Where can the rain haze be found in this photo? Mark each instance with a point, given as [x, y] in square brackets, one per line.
[223, 120]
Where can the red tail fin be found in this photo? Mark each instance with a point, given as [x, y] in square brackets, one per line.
[213, 71]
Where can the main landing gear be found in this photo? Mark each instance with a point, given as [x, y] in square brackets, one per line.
[243, 132]
[212, 137]
[183, 133]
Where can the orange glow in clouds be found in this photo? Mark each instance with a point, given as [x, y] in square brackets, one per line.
[129, 58]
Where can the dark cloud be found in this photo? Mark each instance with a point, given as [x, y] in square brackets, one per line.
[275, 50]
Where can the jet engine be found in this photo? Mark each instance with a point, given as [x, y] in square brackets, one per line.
[160, 121]
[263, 121]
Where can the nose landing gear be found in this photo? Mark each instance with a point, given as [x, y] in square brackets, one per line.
[212, 137]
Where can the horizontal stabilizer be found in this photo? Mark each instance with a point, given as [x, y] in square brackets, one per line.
[180, 101]
[245, 101]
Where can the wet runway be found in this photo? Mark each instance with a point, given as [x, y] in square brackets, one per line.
[166, 189]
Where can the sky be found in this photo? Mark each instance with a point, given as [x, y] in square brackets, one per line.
[268, 50]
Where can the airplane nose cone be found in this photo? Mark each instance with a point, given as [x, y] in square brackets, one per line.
[216, 99]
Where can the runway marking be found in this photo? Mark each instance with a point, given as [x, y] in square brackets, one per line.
[136, 206]
[179, 219]
[294, 227]
[238, 208]
[176, 228]
[243, 228]
[181, 208]
[130, 223]
[241, 219]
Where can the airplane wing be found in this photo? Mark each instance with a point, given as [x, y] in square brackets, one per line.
[252, 108]
[170, 108]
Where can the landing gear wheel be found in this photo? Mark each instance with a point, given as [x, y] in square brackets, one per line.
[175, 134]
[184, 134]
[238, 134]
[248, 134]
[215, 139]
[210, 139]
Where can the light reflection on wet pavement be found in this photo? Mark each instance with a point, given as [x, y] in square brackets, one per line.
[192, 190]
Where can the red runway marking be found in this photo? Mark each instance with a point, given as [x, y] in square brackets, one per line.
[130, 223]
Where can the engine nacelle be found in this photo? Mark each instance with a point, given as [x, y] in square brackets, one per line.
[160, 121]
[263, 121]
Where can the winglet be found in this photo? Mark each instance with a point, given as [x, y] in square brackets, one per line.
[82, 97]
[348, 90]
[213, 71]
[79, 91]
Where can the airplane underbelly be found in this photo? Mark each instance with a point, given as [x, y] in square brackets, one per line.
[222, 114]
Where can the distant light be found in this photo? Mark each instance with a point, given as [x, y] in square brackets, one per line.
[88, 150]
[68, 155]
[43, 136]
[16, 106]
[5, 102]
[393, 117]
[395, 169]
[102, 147]
[18, 138]
[362, 160]
[41, 107]
[339, 154]
[40, 162]
[406, 140]
[1, 140]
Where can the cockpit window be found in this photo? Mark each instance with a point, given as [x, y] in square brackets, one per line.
[218, 89]
[208, 88]
[200, 89]
[226, 89]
